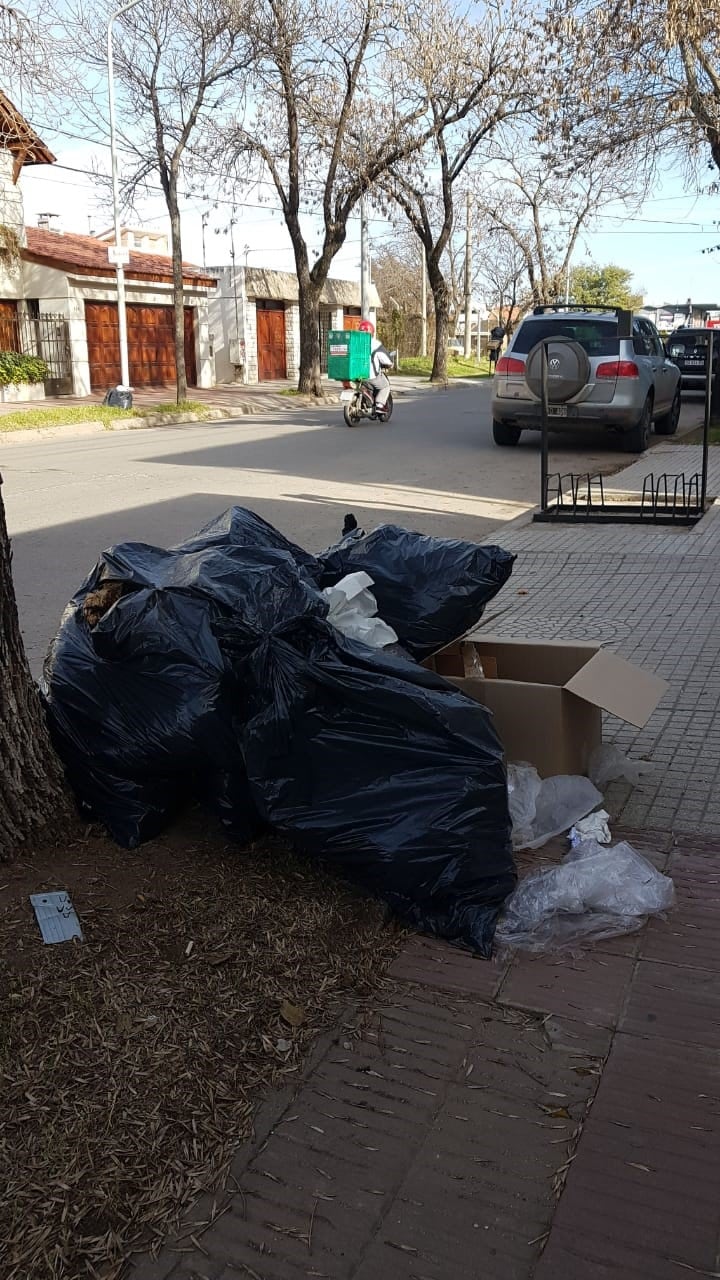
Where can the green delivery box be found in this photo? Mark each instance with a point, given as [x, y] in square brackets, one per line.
[348, 354]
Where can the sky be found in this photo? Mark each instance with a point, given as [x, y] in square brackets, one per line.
[662, 244]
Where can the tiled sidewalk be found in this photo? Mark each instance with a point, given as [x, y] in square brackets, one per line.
[541, 1119]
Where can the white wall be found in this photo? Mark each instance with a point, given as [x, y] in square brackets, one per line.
[229, 339]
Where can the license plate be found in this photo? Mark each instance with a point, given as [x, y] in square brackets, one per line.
[557, 410]
[694, 364]
[346, 395]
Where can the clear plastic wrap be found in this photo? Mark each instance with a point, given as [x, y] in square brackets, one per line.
[543, 808]
[596, 893]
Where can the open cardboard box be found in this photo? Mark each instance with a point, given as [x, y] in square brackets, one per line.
[548, 697]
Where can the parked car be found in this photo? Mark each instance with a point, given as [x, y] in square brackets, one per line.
[687, 348]
[606, 368]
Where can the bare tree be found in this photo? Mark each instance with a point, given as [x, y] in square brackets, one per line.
[542, 203]
[33, 801]
[335, 106]
[176, 63]
[490, 77]
[502, 277]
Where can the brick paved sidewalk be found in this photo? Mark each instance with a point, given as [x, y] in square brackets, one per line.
[545, 1119]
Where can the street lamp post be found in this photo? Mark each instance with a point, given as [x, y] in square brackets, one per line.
[118, 254]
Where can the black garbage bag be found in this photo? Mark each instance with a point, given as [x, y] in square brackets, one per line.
[386, 772]
[140, 696]
[430, 590]
[239, 527]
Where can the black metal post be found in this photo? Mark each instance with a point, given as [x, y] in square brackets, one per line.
[544, 429]
[706, 426]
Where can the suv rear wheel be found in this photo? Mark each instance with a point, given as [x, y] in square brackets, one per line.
[668, 424]
[636, 439]
[505, 435]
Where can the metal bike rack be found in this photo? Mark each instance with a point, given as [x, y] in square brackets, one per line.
[666, 499]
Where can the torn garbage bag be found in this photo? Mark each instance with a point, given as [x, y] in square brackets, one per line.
[138, 688]
[429, 590]
[596, 893]
[384, 771]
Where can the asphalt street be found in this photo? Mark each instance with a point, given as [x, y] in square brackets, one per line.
[434, 467]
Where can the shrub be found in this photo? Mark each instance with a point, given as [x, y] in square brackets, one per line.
[18, 368]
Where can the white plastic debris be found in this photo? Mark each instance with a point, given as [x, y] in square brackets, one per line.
[595, 893]
[353, 610]
[56, 916]
[543, 808]
[609, 763]
[594, 827]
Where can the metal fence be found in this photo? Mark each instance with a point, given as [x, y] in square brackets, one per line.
[45, 335]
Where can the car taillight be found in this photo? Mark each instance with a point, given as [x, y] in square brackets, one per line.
[506, 364]
[617, 369]
[347, 385]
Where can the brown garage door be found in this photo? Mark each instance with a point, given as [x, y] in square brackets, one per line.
[272, 363]
[151, 346]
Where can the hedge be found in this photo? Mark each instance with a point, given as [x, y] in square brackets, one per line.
[18, 368]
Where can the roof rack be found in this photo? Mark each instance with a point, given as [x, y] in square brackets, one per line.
[624, 317]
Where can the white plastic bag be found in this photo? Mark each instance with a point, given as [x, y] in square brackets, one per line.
[608, 764]
[595, 893]
[353, 610]
[543, 808]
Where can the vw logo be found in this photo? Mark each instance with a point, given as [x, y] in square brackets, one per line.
[555, 363]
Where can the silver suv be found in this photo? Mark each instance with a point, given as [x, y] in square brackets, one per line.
[606, 368]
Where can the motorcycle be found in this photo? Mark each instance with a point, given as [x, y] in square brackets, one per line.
[358, 400]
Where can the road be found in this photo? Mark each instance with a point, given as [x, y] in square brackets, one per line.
[434, 468]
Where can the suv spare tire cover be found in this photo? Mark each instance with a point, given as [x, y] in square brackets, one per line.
[568, 369]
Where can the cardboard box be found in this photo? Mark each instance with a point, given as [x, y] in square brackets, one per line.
[548, 698]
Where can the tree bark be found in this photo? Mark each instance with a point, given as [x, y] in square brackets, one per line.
[441, 301]
[310, 379]
[178, 293]
[33, 800]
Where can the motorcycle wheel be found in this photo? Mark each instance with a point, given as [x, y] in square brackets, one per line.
[352, 413]
[386, 413]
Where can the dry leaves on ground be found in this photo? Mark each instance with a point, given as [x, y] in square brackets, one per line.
[131, 1064]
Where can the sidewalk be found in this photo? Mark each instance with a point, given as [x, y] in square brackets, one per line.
[238, 398]
[549, 1119]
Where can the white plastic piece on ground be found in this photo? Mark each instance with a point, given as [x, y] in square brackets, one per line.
[543, 808]
[594, 827]
[608, 764]
[353, 610]
[56, 916]
[595, 893]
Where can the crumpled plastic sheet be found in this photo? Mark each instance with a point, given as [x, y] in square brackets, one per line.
[595, 893]
[609, 764]
[594, 827]
[541, 808]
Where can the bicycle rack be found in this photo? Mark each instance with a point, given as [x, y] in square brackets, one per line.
[666, 499]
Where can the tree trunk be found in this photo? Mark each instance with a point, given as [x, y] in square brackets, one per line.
[178, 293]
[33, 801]
[441, 300]
[310, 380]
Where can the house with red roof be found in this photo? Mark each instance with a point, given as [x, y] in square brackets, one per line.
[58, 294]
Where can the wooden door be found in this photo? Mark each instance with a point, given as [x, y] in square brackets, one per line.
[151, 345]
[272, 362]
[9, 328]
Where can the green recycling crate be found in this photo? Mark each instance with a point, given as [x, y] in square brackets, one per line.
[348, 354]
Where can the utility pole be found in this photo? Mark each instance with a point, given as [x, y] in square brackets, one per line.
[364, 261]
[118, 253]
[468, 278]
[203, 223]
[423, 304]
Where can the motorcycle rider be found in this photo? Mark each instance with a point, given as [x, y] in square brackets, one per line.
[379, 360]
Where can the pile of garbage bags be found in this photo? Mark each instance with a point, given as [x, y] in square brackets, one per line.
[234, 669]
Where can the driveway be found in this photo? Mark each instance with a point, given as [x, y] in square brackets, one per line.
[434, 467]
